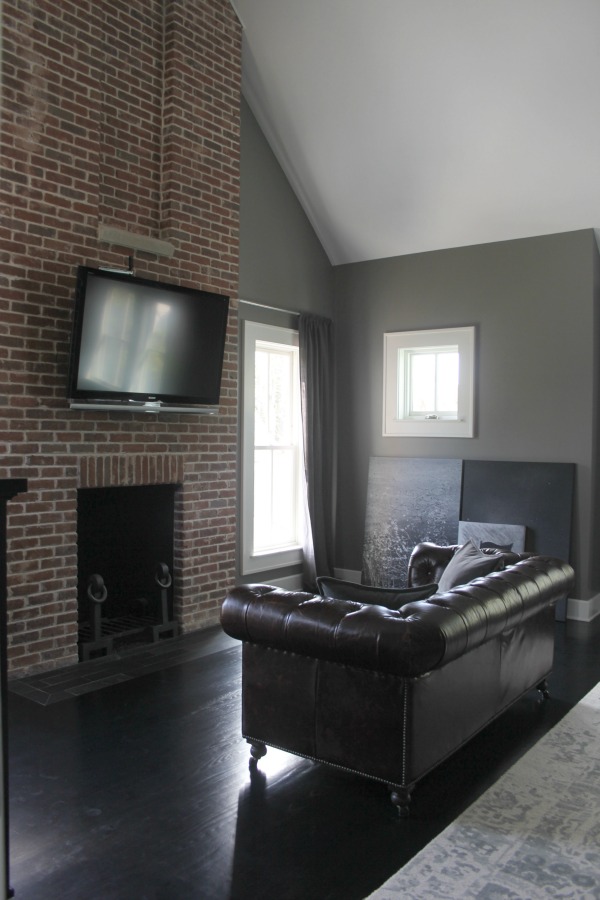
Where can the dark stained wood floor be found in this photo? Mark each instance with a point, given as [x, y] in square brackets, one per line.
[141, 790]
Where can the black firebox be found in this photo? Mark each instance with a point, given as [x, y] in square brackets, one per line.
[125, 566]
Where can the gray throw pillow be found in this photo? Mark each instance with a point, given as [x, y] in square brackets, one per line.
[467, 563]
[393, 598]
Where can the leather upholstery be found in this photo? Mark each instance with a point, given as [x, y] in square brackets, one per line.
[390, 693]
[428, 561]
[420, 636]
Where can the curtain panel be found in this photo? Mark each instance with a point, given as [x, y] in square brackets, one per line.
[317, 384]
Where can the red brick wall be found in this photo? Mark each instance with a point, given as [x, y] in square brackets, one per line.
[123, 115]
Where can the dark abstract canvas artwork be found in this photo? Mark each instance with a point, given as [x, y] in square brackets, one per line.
[413, 500]
[537, 495]
[408, 501]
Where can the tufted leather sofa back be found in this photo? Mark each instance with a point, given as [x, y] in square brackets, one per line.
[411, 641]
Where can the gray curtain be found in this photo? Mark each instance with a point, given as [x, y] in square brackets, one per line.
[318, 422]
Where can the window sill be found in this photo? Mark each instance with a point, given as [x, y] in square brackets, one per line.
[264, 561]
[428, 428]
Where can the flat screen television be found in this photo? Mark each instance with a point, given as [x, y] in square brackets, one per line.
[138, 343]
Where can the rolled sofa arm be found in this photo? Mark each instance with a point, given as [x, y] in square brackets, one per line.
[412, 640]
[363, 635]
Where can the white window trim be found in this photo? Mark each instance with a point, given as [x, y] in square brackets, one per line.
[250, 562]
[396, 422]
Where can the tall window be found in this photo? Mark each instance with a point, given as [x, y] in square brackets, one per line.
[271, 497]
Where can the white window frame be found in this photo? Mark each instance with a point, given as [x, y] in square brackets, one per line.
[254, 332]
[397, 420]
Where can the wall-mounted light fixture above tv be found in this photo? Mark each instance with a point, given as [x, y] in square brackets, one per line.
[139, 344]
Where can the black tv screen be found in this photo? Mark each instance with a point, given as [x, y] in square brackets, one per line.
[141, 341]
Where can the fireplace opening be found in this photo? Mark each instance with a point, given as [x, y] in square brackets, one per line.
[125, 567]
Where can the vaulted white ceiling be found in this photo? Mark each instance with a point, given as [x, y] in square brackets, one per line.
[413, 125]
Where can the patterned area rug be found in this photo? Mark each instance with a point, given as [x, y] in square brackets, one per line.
[534, 834]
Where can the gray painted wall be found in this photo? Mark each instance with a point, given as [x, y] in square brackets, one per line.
[595, 516]
[282, 263]
[533, 303]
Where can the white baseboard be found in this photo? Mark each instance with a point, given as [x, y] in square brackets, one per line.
[288, 582]
[348, 574]
[583, 610]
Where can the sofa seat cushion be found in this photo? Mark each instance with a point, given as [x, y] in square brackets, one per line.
[468, 563]
[392, 598]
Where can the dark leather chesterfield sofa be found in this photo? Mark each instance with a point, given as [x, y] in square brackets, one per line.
[390, 693]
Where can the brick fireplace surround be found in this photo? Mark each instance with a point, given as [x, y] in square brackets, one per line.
[114, 116]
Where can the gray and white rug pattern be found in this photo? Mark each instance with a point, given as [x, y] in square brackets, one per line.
[534, 834]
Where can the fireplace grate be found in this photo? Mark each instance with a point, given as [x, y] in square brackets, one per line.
[122, 628]
[99, 636]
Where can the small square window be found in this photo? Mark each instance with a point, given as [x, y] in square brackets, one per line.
[428, 383]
